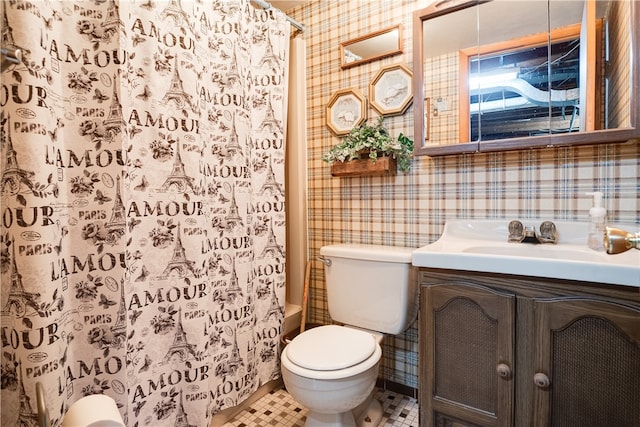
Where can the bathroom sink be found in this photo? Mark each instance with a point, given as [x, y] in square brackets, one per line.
[537, 251]
[481, 245]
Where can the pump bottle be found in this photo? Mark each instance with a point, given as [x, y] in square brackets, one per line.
[597, 222]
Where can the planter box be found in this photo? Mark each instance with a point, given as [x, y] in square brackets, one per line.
[365, 167]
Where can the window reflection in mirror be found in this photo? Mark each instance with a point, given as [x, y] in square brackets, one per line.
[511, 94]
[507, 32]
[369, 47]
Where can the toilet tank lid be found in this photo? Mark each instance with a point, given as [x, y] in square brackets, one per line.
[369, 252]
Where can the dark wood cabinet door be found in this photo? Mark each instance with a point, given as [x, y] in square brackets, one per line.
[467, 352]
[587, 363]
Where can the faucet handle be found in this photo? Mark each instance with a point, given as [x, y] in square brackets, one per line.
[548, 232]
[516, 231]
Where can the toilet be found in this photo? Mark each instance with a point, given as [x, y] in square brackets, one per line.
[372, 290]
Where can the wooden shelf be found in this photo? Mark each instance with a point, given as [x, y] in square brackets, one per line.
[365, 167]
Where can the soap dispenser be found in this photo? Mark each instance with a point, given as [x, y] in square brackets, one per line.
[597, 222]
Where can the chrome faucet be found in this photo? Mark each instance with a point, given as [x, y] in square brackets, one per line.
[518, 233]
[617, 241]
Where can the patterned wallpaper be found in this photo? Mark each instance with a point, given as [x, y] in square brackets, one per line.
[620, 55]
[411, 209]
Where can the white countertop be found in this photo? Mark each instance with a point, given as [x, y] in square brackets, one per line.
[481, 245]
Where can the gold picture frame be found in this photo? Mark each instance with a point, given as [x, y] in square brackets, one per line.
[346, 109]
[369, 47]
[391, 89]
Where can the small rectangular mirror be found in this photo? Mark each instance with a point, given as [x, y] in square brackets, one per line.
[371, 46]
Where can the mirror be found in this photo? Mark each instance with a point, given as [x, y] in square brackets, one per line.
[372, 46]
[518, 86]
[525, 74]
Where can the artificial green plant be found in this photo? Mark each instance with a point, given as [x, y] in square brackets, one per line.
[372, 141]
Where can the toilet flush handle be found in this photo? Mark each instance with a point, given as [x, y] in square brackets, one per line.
[325, 261]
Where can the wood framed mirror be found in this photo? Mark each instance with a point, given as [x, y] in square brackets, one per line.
[369, 47]
[525, 74]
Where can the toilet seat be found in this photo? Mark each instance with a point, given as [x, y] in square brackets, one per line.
[331, 346]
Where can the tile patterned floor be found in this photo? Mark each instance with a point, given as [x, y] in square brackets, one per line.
[279, 409]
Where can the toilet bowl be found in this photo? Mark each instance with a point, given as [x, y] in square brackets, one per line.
[332, 369]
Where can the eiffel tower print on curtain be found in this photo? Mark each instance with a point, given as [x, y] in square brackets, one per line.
[272, 247]
[12, 175]
[270, 123]
[269, 60]
[178, 178]
[112, 22]
[271, 183]
[26, 416]
[114, 123]
[179, 262]
[180, 347]
[235, 361]
[174, 11]
[275, 309]
[176, 92]
[118, 221]
[233, 75]
[19, 298]
[233, 218]
[234, 291]
[181, 415]
[119, 330]
[233, 147]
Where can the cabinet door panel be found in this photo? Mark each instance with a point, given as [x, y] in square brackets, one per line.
[469, 336]
[590, 352]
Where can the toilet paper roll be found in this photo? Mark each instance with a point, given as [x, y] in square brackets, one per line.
[96, 410]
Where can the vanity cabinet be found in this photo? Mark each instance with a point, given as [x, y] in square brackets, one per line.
[501, 350]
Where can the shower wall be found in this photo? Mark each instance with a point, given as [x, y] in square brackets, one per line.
[296, 183]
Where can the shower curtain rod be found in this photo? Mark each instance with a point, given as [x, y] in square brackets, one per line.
[265, 5]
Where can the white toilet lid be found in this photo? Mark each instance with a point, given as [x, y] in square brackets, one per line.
[330, 347]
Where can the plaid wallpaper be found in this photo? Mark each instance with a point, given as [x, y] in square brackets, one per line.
[411, 209]
[617, 57]
[441, 85]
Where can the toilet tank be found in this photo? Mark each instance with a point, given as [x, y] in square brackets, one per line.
[371, 286]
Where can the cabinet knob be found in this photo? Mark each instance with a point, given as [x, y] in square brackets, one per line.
[541, 380]
[504, 371]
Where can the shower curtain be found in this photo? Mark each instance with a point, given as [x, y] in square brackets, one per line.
[142, 206]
